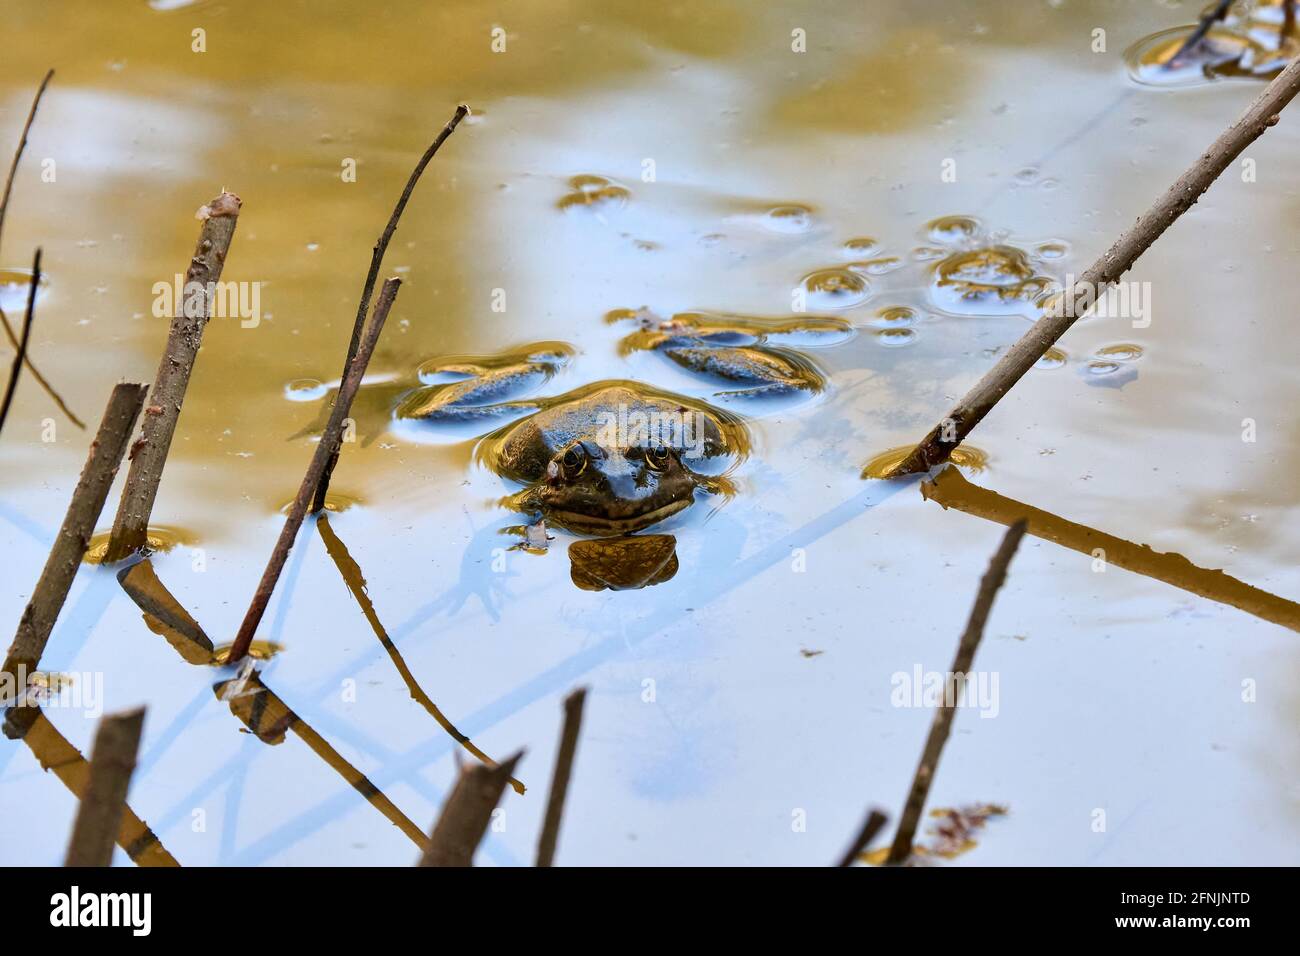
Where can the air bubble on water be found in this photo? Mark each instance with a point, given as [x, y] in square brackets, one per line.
[952, 229]
[1052, 358]
[594, 194]
[895, 338]
[895, 316]
[861, 246]
[789, 219]
[877, 267]
[835, 289]
[1123, 352]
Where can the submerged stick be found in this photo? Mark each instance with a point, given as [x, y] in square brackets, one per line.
[935, 448]
[376, 262]
[941, 726]
[4, 208]
[103, 802]
[356, 583]
[329, 438]
[874, 823]
[21, 354]
[951, 490]
[74, 537]
[466, 814]
[560, 780]
[131, 526]
[55, 754]
[269, 718]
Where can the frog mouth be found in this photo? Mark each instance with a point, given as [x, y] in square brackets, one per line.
[602, 525]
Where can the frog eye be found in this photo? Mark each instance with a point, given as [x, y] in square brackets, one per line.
[574, 460]
[657, 456]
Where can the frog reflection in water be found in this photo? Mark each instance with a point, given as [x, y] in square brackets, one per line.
[609, 458]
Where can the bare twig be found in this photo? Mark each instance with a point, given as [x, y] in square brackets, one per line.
[466, 814]
[65, 761]
[1211, 17]
[376, 262]
[560, 779]
[4, 208]
[21, 354]
[943, 716]
[99, 817]
[875, 821]
[935, 448]
[149, 456]
[356, 583]
[951, 490]
[73, 538]
[41, 380]
[22, 144]
[329, 438]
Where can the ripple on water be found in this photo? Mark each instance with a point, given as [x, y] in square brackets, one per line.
[305, 390]
[835, 289]
[159, 540]
[969, 457]
[1150, 60]
[258, 650]
[594, 194]
[994, 280]
[335, 503]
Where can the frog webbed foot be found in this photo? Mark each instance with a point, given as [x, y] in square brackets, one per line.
[758, 371]
[464, 391]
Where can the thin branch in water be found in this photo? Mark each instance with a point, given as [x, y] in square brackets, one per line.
[941, 726]
[71, 543]
[1212, 16]
[951, 490]
[376, 263]
[269, 718]
[149, 455]
[311, 480]
[103, 803]
[41, 380]
[466, 814]
[874, 823]
[356, 584]
[1264, 112]
[22, 145]
[4, 209]
[560, 779]
[21, 354]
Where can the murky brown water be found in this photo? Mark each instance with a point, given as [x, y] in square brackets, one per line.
[775, 174]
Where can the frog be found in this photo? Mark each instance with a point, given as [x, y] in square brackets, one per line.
[740, 351]
[615, 457]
